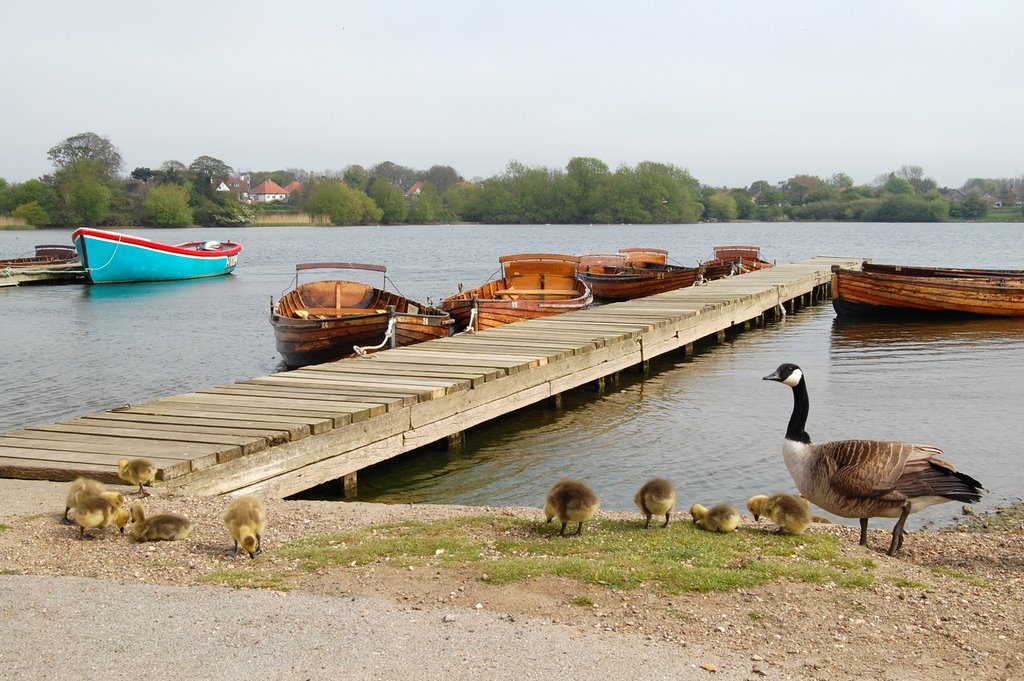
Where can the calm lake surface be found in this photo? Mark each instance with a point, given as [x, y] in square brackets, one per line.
[709, 423]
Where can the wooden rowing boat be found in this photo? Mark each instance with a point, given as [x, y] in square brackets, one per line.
[531, 285]
[730, 260]
[51, 263]
[902, 291]
[634, 273]
[919, 271]
[321, 321]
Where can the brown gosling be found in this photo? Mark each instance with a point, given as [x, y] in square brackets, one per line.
[161, 527]
[656, 497]
[866, 478]
[245, 520]
[720, 518]
[571, 501]
[137, 472]
[790, 514]
[98, 512]
[79, 490]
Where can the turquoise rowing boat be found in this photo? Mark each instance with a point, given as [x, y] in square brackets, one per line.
[114, 257]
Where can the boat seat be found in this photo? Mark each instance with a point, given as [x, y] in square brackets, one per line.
[338, 311]
[534, 292]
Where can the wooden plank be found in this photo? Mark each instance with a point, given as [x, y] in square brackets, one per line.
[401, 364]
[303, 396]
[61, 471]
[351, 393]
[338, 413]
[276, 433]
[316, 424]
[34, 451]
[81, 427]
[194, 455]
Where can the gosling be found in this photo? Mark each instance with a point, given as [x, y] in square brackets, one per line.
[137, 472]
[571, 501]
[96, 513]
[245, 520]
[80, 489]
[161, 527]
[791, 514]
[720, 518]
[656, 497]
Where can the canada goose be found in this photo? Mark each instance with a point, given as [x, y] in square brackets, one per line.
[161, 527]
[137, 472]
[79, 490]
[867, 478]
[656, 497]
[571, 500]
[245, 520]
[792, 515]
[719, 518]
[98, 512]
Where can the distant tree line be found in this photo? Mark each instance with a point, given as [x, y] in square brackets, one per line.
[87, 187]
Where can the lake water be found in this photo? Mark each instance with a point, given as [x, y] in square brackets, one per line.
[709, 423]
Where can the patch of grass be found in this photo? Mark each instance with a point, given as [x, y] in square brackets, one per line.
[612, 553]
[911, 584]
[4, 527]
[162, 564]
[755, 616]
[583, 600]
[956, 574]
[9, 572]
[245, 579]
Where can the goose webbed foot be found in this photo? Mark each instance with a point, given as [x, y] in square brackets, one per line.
[578, 532]
[647, 525]
[66, 520]
[665, 524]
[561, 532]
[863, 531]
[897, 532]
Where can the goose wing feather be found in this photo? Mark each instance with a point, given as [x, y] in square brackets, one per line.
[873, 468]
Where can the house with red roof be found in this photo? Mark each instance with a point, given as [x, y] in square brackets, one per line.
[267, 191]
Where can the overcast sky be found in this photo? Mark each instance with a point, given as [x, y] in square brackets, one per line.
[733, 91]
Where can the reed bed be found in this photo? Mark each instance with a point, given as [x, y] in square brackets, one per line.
[295, 218]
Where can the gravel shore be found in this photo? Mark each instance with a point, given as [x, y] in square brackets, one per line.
[948, 606]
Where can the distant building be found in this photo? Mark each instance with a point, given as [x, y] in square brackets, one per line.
[268, 191]
[293, 186]
[239, 186]
[415, 189]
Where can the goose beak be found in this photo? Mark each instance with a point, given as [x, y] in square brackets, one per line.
[774, 376]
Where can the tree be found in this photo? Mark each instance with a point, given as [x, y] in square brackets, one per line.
[425, 208]
[400, 176]
[143, 174]
[356, 177]
[390, 199]
[209, 169]
[171, 172]
[721, 207]
[341, 204]
[87, 145]
[83, 192]
[442, 177]
[166, 205]
[32, 213]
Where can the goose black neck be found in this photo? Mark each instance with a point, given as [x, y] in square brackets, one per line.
[798, 420]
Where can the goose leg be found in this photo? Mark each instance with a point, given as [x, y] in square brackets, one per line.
[67, 520]
[897, 532]
[579, 530]
[666, 519]
[561, 533]
[259, 545]
[235, 551]
[648, 523]
[863, 531]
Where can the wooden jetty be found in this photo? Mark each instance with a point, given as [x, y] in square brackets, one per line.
[278, 435]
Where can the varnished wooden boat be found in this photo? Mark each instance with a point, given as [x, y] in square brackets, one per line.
[531, 285]
[919, 271]
[634, 273]
[860, 293]
[51, 263]
[321, 321]
[730, 260]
